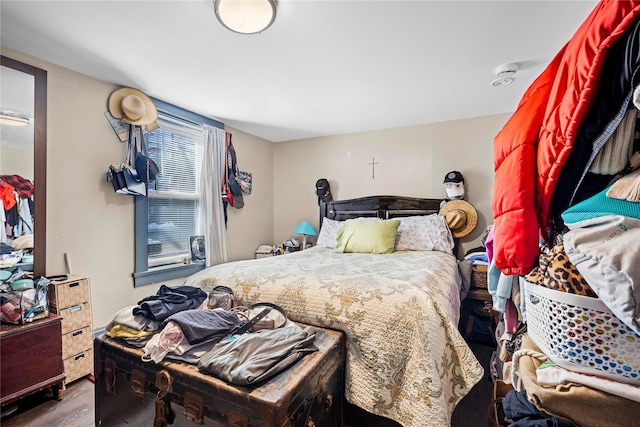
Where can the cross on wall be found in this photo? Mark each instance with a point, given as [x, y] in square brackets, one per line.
[373, 164]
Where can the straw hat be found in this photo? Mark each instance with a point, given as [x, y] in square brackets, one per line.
[132, 106]
[461, 217]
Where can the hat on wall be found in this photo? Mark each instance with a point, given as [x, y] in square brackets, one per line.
[453, 176]
[132, 106]
[461, 217]
[323, 191]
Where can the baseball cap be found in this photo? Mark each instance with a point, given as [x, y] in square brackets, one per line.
[453, 176]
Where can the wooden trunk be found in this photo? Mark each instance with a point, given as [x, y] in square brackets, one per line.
[308, 394]
[30, 359]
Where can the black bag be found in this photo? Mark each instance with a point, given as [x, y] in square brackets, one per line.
[146, 167]
[235, 188]
[125, 180]
[115, 176]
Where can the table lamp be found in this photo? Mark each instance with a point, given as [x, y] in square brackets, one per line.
[306, 229]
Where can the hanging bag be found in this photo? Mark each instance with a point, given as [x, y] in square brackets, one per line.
[146, 167]
[244, 178]
[226, 191]
[123, 177]
[232, 169]
[125, 180]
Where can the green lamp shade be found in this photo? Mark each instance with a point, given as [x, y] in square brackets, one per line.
[306, 229]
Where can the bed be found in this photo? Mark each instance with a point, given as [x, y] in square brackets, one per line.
[406, 359]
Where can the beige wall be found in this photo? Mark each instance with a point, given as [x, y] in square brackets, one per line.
[89, 221]
[253, 224]
[16, 161]
[412, 161]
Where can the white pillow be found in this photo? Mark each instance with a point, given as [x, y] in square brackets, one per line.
[329, 233]
[424, 233]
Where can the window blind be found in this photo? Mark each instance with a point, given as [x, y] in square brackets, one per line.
[177, 148]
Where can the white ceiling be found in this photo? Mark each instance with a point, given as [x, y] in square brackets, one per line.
[17, 92]
[323, 68]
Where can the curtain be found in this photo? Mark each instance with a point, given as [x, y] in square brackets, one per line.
[212, 210]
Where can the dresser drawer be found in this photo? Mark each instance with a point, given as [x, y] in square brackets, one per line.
[76, 342]
[72, 292]
[78, 365]
[75, 317]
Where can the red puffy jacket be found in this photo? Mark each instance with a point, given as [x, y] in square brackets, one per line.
[533, 146]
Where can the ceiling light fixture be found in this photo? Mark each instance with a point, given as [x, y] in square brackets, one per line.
[504, 74]
[246, 16]
[13, 119]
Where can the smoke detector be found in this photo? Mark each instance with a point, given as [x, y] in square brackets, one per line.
[504, 74]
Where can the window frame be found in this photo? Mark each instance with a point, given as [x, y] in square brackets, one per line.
[143, 275]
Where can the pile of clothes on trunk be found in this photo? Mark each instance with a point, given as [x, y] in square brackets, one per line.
[241, 345]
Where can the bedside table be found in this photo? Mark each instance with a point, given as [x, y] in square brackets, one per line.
[477, 309]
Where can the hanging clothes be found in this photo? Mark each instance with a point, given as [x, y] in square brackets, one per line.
[7, 193]
[534, 145]
[16, 193]
[604, 119]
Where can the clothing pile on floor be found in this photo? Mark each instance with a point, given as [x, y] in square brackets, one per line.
[177, 323]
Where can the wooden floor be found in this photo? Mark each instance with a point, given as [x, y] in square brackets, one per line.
[76, 409]
[42, 409]
[473, 410]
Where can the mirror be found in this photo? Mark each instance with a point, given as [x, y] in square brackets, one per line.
[23, 148]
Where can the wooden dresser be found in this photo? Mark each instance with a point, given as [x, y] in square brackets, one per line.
[71, 300]
[31, 359]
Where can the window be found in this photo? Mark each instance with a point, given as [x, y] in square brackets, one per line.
[170, 215]
[173, 202]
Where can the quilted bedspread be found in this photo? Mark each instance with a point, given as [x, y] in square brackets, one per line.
[405, 357]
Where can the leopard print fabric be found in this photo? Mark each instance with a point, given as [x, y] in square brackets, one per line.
[555, 271]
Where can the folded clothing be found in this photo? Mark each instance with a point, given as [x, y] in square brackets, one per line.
[583, 405]
[550, 374]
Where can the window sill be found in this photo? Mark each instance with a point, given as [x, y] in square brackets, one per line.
[166, 272]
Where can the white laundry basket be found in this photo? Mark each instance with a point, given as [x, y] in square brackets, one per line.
[581, 334]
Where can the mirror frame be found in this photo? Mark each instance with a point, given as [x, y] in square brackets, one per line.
[40, 161]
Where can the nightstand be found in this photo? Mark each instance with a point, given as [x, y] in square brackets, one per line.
[478, 320]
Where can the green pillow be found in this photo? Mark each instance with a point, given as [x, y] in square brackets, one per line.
[371, 237]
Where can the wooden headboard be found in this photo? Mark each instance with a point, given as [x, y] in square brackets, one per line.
[384, 207]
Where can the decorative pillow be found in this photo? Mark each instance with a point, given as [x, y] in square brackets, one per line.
[366, 236]
[424, 233]
[330, 228]
[328, 233]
